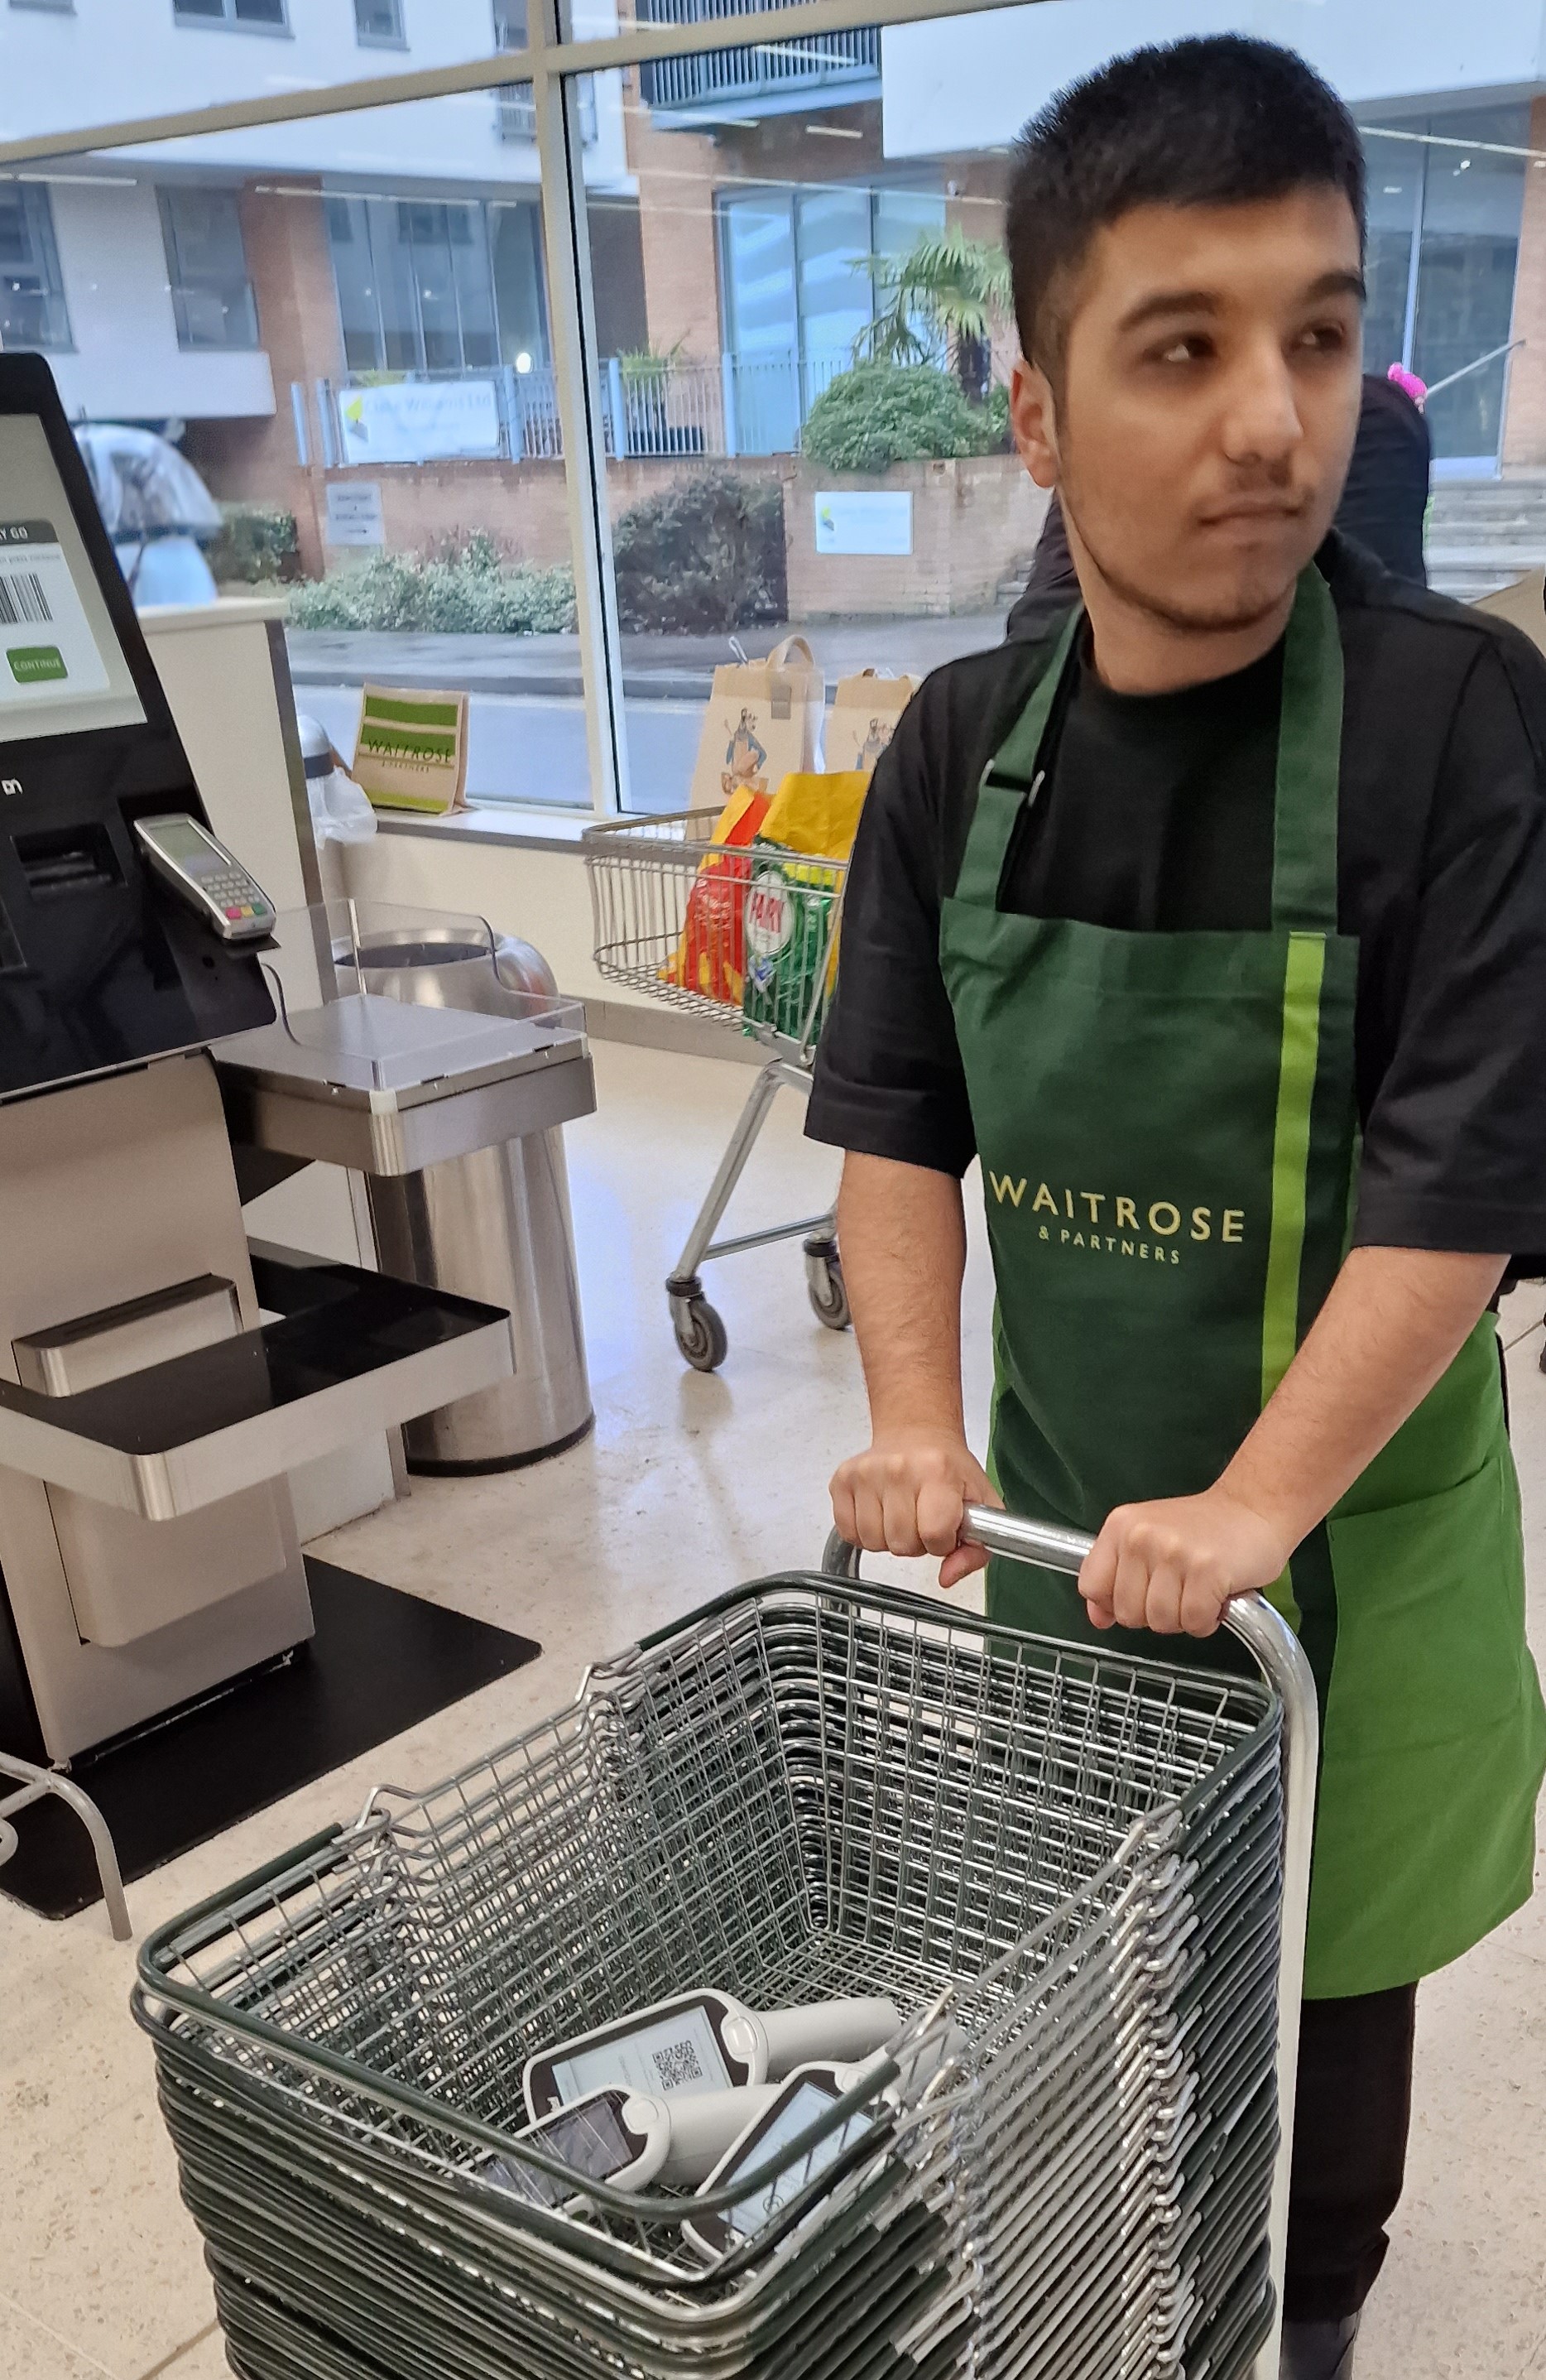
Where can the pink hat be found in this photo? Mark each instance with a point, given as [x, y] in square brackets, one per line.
[1416, 389]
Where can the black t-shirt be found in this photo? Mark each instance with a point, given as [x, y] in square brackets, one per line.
[1156, 815]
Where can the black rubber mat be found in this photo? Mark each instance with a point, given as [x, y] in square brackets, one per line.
[380, 1662]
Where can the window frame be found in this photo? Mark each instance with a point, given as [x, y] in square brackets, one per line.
[180, 284]
[37, 201]
[365, 40]
[229, 22]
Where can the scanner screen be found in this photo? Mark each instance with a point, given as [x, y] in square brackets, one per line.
[61, 668]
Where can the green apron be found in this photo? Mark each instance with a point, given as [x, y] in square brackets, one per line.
[1166, 1123]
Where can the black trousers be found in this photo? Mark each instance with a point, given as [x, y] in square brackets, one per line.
[1350, 2124]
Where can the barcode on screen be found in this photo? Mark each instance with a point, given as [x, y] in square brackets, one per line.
[22, 599]
[676, 2064]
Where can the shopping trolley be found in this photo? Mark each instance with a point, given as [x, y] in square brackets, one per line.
[757, 910]
[1081, 1879]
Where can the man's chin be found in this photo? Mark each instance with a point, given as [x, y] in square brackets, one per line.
[1223, 603]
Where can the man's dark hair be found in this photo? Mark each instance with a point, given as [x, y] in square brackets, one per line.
[1218, 121]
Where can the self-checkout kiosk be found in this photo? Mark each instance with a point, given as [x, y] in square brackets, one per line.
[158, 1375]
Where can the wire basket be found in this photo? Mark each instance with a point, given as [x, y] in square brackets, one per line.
[1064, 1869]
[746, 936]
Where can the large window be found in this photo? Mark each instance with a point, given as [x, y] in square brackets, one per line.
[32, 309]
[1446, 199]
[415, 291]
[206, 264]
[799, 278]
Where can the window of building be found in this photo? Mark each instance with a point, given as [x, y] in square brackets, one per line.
[798, 292]
[267, 16]
[510, 24]
[55, 7]
[380, 22]
[415, 291]
[206, 265]
[32, 309]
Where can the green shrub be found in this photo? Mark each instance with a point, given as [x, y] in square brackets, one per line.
[704, 557]
[882, 413]
[257, 544]
[471, 593]
[997, 411]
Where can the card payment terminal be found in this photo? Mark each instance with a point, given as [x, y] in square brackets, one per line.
[209, 878]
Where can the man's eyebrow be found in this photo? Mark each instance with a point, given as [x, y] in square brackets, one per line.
[1343, 282]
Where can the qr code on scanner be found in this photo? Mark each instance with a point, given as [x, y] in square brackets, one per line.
[677, 2064]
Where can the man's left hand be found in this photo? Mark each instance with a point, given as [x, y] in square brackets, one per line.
[1173, 1565]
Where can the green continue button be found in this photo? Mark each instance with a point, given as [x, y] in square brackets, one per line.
[31, 664]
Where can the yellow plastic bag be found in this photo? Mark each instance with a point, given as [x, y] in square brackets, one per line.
[816, 812]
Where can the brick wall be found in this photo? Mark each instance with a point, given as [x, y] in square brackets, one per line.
[676, 174]
[290, 262]
[523, 506]
[975, 523]
[1524, 438]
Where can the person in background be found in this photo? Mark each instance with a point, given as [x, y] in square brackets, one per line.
[1384, 498]
[1211, 916]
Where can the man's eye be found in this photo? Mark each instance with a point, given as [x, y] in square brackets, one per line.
[1324, 338]
[1188, 349]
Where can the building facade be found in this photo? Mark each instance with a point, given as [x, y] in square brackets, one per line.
[351, 296]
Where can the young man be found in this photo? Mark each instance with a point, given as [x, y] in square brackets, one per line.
[1214, 919]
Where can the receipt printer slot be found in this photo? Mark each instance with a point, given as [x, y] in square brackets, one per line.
[58, 861]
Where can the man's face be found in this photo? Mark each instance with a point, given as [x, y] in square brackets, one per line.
[1207, 402]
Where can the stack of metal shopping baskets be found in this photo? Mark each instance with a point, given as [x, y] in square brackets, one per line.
[744, 937]
[1067, 1871]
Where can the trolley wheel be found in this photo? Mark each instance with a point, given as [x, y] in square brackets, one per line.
[700, 1334]
[824, 1286]
[7, 1841]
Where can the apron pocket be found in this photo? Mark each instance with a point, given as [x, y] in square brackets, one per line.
[1430, 1617]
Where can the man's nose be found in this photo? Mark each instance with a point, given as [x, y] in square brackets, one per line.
[1262, 421]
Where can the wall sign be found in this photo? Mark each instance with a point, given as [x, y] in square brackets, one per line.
[354, 513]
[419, 420]
[864, 520]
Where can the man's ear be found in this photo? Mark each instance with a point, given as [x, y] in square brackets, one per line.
[1034, 416]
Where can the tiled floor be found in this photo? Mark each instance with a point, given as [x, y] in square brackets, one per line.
[688, 1485]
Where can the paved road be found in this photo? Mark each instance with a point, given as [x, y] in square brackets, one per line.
[528, 727]
[531, 749]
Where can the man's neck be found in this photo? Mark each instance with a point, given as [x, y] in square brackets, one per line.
[1138, 651]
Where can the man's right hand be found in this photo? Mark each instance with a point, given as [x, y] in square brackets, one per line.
[907, 1495]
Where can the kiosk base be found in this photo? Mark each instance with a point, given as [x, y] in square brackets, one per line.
[380, 1662]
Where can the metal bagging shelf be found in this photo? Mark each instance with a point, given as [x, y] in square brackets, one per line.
[1066, 1869]
[745, 937]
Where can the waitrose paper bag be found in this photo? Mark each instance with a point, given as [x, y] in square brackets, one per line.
[865, 710]
[411, 752]
[762, 724]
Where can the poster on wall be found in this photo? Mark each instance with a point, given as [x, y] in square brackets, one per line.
[355, 515]
[864, 520]
[419, 421]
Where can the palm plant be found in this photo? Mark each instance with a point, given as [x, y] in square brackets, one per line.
[946, 291]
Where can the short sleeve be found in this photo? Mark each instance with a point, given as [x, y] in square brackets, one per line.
[888, 1076]
[1454, 1142]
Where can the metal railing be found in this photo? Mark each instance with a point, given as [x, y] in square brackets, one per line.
[757, 70]
[674, 405]
[515, 112]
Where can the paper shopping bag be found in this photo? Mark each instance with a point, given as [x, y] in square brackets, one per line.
[865, 710]
[762, 721]
[411, 752]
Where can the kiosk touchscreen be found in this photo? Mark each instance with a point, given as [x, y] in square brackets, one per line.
[104, 959]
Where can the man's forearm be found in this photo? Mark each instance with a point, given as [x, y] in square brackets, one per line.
[902, 1232]
[1394, 1321]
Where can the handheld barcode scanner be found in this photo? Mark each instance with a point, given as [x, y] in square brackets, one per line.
[704, 2041]
[629, 2139]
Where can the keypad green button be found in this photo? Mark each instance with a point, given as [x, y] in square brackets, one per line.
[31, 664]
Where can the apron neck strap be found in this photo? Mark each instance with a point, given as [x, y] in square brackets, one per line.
[1308, 765]
[1011, 779]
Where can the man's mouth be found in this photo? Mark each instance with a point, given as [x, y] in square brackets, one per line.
[1252, 509]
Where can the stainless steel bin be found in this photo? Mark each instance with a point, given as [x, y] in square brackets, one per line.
[494, 1224]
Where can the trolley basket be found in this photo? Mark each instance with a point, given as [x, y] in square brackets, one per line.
[1070, 1872]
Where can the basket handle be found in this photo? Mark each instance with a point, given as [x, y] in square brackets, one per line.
[1280, 1656]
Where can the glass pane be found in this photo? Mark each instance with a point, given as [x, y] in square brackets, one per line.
[104, 60]
[1395, 168]
[1472, 204]
[385, 446]
[791, 244]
